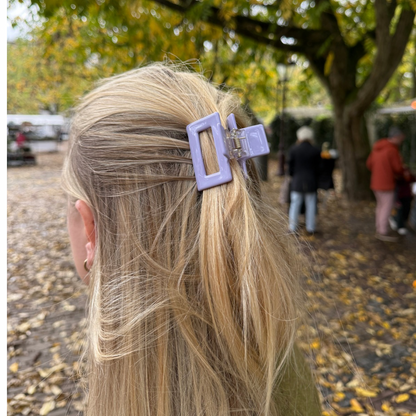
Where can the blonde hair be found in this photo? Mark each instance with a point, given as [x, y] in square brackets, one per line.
[193, 295]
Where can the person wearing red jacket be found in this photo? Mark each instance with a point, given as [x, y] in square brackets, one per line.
[386, 167]
[21, 140]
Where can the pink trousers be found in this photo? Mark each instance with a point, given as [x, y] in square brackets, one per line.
[385, 203]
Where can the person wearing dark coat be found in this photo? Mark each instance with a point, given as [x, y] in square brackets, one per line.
[328, 159]
[403, 203]
[304, 163]
[326, 169]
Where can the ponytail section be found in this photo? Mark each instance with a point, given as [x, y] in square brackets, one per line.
[250, 281]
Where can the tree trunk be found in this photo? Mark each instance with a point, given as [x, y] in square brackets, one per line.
[353, 146]
[335, 62]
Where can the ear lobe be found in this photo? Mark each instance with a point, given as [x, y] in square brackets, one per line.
[89, 228]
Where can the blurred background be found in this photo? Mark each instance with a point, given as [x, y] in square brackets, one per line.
[346, 68]
[328, 64]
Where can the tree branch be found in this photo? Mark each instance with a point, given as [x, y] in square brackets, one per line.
[173, 6]
[391, 7]
[383, 19]
[328, 19]
[388, 57]
[258, 30]
[318, 66]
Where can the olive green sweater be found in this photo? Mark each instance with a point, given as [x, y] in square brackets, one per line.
[296, 393]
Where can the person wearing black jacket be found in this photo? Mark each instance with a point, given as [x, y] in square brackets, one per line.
[304, 162]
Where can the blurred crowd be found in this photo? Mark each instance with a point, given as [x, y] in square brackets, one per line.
[392, 182]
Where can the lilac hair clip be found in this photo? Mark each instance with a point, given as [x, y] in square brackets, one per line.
[230, 143]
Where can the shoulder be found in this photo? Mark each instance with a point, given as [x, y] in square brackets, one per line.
[395, 150]
[297, 393]
[293, 149]
[315, 151]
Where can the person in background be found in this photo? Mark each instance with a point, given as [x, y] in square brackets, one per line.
[21, 140]
[403, 202]
[328, 159]
[304, 162]
[412, 215]
[386, 167]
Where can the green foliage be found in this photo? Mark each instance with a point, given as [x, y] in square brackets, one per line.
[402, 85]
[50, 70]
[81, 41]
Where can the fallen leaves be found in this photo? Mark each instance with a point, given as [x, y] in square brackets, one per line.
[402, 398]
[361, 297]
[47, 408]
[46, 325]
[47, 373]
[14, 367]
[356, 406]
[361, 337]
[365, 393]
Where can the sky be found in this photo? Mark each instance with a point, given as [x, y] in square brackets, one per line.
[16, 10]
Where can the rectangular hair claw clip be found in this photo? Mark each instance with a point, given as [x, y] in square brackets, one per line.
[230, 143]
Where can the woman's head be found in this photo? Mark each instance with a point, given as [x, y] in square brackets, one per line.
[129, 134]
[193, 295]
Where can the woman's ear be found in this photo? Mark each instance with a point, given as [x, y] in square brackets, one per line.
[89, 229]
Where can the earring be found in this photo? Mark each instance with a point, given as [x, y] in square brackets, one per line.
[85, 266]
